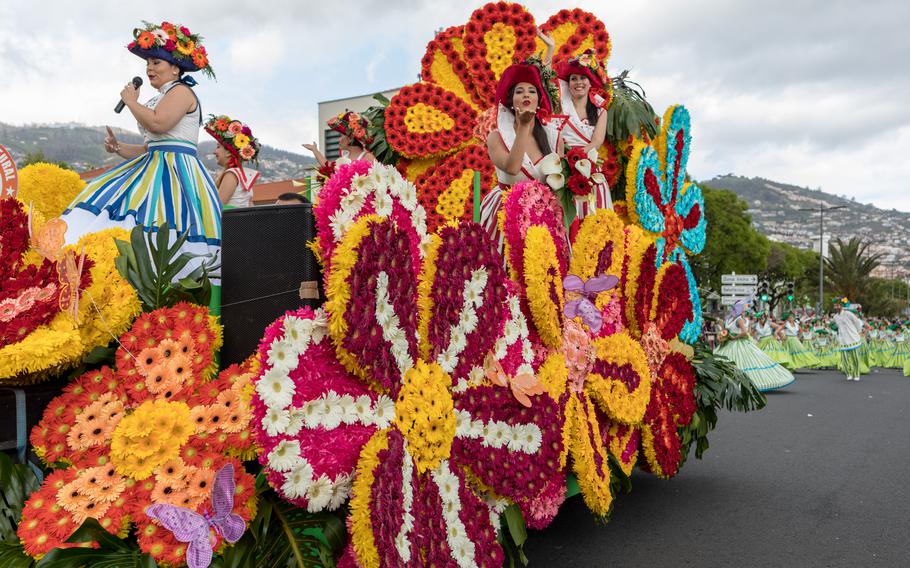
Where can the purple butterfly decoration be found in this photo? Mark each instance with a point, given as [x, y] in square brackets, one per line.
[189, 526]
[583, 306]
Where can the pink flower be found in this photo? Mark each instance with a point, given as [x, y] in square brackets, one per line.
[185, 31]
[235, 127]
[246, 130]
[169, 45]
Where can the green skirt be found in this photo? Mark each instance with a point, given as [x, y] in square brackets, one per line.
[774, 349]
[765, 373]
[800, 357]
[899, 355]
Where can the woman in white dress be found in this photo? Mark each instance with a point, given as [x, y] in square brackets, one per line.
[738, 346]
[236, 145]
[525, 136]
[584, 95]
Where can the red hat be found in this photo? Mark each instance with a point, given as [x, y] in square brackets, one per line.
[572, 67]
[587, 65]
[523, 73]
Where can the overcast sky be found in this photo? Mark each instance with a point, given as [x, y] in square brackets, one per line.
[809, 92]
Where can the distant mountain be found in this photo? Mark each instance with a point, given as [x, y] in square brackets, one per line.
[82, 147]
[776, 212]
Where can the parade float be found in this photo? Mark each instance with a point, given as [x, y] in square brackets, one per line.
[447, 393]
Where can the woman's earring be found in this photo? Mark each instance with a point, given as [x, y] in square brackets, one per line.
[175, 72]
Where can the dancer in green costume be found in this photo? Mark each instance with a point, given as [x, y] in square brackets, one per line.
[738, 346]
[849, 338]
[767, 342]
[799, 356]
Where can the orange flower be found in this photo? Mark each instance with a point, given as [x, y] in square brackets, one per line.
[146, 40]
[199, 59]
[221, 124]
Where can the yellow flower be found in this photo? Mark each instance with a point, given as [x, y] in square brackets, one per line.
[150, 437]
[186, 48]
[241, 141]
[48, 187]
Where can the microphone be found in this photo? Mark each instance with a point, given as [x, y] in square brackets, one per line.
[137, 82]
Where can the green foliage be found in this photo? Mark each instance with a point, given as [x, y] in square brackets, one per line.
[283, 535]
[787, 263]
[732, 243]
[38, 157]
[512, 537]
[629, 113]
[719, 385]
[848, 272]
[375, 117]
[17, 482]
[112, 552]
[150, 265]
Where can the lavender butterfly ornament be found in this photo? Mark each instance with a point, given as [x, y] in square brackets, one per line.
[193, 528]
[584, 291]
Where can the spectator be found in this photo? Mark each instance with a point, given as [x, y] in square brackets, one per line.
[291, 199]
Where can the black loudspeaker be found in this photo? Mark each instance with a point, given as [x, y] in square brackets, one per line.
[266, 268]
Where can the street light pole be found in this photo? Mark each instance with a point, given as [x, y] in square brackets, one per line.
[821, 252]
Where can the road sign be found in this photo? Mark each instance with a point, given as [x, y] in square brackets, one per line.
[732, 290]
[730, 300]
[738, 279]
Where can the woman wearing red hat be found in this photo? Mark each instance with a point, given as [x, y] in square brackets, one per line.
[353, 142]
[584, 94]
[525, 141]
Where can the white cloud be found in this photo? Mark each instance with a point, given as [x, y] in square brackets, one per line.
[807, 92]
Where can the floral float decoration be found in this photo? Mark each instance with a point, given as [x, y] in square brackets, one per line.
[597, 371]
[155, 430]
[393, 397]
[440, 124]
[665, 204]
[51, 312]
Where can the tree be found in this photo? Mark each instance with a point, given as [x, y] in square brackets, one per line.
[732, 244]
[39, 158]
[849, 266]
[787, 263]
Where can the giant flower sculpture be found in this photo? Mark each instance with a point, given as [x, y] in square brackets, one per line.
[383, 398]
[656, 305]
[597, 371]
[666, 204]
[51, 312]
[154, 430]
[440, 124]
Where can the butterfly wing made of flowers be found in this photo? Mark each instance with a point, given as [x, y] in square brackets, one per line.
[186, 526]
[231, 525]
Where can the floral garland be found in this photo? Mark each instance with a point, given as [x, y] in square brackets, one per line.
[426, 120]
[410, 497]
[447, 187]
[48, 188]
[574, 32]
[155, 430]
[496, 35]
[108, 306]
[543, 282]
[359, 189]
[177, 41]
[236, 137]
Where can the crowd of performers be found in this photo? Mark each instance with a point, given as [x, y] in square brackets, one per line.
[770, 350]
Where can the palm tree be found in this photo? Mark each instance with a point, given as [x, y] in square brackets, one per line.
[849, 266]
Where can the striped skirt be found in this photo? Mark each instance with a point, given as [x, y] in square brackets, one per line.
[166, 184]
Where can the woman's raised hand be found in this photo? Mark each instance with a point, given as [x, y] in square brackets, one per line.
[111, 144]
[525, 118]
[312, 147]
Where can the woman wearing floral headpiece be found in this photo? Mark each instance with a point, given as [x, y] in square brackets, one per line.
[526, 142]
[236, 145]
[353, 142]
[584, 95]
[161, 180]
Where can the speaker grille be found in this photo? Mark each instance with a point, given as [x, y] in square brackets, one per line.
[264, 260]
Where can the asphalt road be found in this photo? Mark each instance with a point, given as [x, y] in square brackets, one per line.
[819, 477]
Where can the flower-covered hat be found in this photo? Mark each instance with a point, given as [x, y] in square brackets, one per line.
[236, 137]
[586, 64]
[524, 73]
[351, 125]
[172, 43]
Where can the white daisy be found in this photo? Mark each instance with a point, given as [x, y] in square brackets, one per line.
[515, 439]
[330, 411]
[341, 490]
[161, 36]
[478, 429]
[457, 341]
[527, 353]
[514, 306]
[362, 409]
[460, 386]
[383, 313]
[275, 421]
[500, 349]
[378, 176]
[510, 332]
[497, 434]
[463, 552]
[297, 331]
[462, 423]
[311, 412]
[285, 456]
[531, 437]
[319, 494]
[282, 355]
[362, 184]
[276, 388]
[447, 361]
[298, 481]
[447, 484]
[468, 321]
[383, 411]
[476, 375]
[403, 546]
[346, 407]
[382, 203]
[295, 421]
